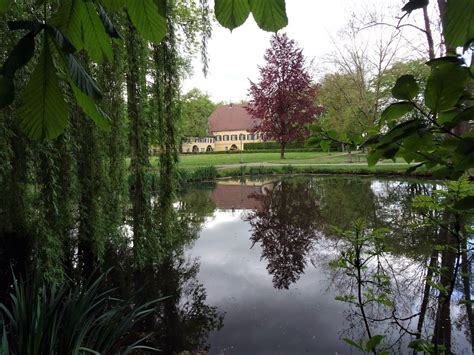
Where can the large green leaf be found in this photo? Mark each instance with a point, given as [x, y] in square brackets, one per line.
[446, 84]
[107, 22]
[43, 113]
[373, 342]
[270, 15]
[231, 13]
[401, 131]
[465, 116]
[90, 108]
[114, 5]
[147, 19]
[81, 78]
[68, 19]
[81, 24]
[62, 41]
[459, 22]
[397, 110]
[96, 40]
[406, 88]
[20, 55]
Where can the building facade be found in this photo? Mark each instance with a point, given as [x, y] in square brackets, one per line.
[230, 127]
[197, 144]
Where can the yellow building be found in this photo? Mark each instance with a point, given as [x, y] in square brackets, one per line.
[230, 127]
[197, 144]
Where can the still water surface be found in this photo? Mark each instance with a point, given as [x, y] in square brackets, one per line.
[262, 253]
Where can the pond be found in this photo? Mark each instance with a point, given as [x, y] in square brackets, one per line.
[263, 251]
[270, 266]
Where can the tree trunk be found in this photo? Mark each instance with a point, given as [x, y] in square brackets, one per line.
[426, 294]
[429, 34]
[466, 279]
[282, 150]
[442, 329]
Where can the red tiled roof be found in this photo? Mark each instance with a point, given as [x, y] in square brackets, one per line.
[231, 118]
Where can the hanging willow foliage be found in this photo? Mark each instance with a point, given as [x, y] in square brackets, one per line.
[166, 97]
[111, 79]
[140, 189]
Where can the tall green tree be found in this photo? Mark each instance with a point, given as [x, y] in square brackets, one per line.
[195, 110]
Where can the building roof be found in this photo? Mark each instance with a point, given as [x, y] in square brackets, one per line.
[231, 118]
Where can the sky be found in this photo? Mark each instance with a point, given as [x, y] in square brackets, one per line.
[235, 56]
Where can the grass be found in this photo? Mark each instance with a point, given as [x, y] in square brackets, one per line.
[191, 161]
[202, 167]
[197, 160]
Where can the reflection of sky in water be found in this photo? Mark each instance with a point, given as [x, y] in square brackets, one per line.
[260, 319]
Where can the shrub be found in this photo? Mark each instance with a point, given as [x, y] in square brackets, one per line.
[200, 174]
[272, 145]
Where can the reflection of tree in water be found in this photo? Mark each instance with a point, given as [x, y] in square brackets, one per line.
[424, 262]
[183, 320]
[344, 199]
[285, 226]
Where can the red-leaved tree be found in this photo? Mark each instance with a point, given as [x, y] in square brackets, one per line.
[283, 99]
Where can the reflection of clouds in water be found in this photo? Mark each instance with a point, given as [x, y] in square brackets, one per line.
[221, 217]
[262, 319]
[259, 318]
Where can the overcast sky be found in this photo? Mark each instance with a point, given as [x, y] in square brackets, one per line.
[234, 56]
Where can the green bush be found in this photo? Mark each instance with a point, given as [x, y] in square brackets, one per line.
[273, 145]
[206, 173]
[305, 149]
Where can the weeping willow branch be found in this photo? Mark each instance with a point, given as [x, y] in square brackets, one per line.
[166, 97]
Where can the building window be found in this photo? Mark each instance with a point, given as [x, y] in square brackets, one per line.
[233, 137]
[225, 138]
[218, 138]
[242, 137]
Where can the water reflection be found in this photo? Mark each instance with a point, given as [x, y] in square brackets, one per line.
[285, 225]
[245, 269]
[289, 230]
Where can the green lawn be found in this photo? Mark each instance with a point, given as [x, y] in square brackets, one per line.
[197, 160]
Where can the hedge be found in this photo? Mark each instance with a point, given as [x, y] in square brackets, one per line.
[273, 145]
[307, 149]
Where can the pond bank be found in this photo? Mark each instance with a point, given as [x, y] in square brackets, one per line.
[216, 172]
